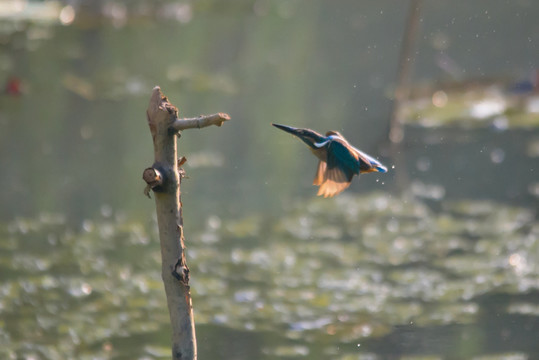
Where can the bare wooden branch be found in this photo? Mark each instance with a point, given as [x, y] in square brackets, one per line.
[164, 178]
[174, 271]
[200, 121]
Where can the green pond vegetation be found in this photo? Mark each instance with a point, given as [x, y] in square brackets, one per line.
[338, 271]
[441, 275]
[474, 107]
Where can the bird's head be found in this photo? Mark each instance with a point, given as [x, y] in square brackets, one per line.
[334, 133]
[308, 136]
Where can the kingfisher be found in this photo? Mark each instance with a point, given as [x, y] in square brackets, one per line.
[339, 161]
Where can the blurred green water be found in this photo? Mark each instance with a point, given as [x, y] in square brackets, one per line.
[447, 270]
[320, 65]
[378, 270]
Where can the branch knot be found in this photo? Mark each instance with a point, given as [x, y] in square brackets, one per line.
[181, 271]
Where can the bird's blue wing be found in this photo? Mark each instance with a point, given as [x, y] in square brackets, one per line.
[335, 174]
[341, 158]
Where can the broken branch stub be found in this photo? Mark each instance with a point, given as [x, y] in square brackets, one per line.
[200, 122]
[154, 180]
[164, 179]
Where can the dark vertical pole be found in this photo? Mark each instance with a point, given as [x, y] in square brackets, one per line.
[404, 74]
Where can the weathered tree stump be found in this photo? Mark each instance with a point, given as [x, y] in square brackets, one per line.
[163, 178]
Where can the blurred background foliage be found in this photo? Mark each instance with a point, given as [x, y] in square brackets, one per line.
[439, 262]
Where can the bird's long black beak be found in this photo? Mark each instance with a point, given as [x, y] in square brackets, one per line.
[288, 129]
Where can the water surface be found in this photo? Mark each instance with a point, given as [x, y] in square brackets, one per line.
[436, 259]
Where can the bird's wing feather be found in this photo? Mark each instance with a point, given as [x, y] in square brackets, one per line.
[335, 174]
[320, 173]
[331, 187]
[331, 181]
[368, 163]
[344, 159]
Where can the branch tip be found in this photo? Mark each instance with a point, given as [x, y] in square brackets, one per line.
[224, 116]
[200, 121]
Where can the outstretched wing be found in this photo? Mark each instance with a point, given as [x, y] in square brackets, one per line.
[331, 182]
[330, 188]
[335, 174]
[342, 158]
[320, 176]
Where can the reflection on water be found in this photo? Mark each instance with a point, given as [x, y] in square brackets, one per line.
[447, 269]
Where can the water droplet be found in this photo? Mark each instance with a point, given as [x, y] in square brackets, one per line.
[106, 210]
[500, 123]
[497, 156]
[423, 164]
[214, 222]
[439, 99]
[107, 346]
[86, 289]
[67, 15]
[87, 225]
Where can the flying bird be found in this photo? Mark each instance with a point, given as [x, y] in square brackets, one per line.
[339, 161]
